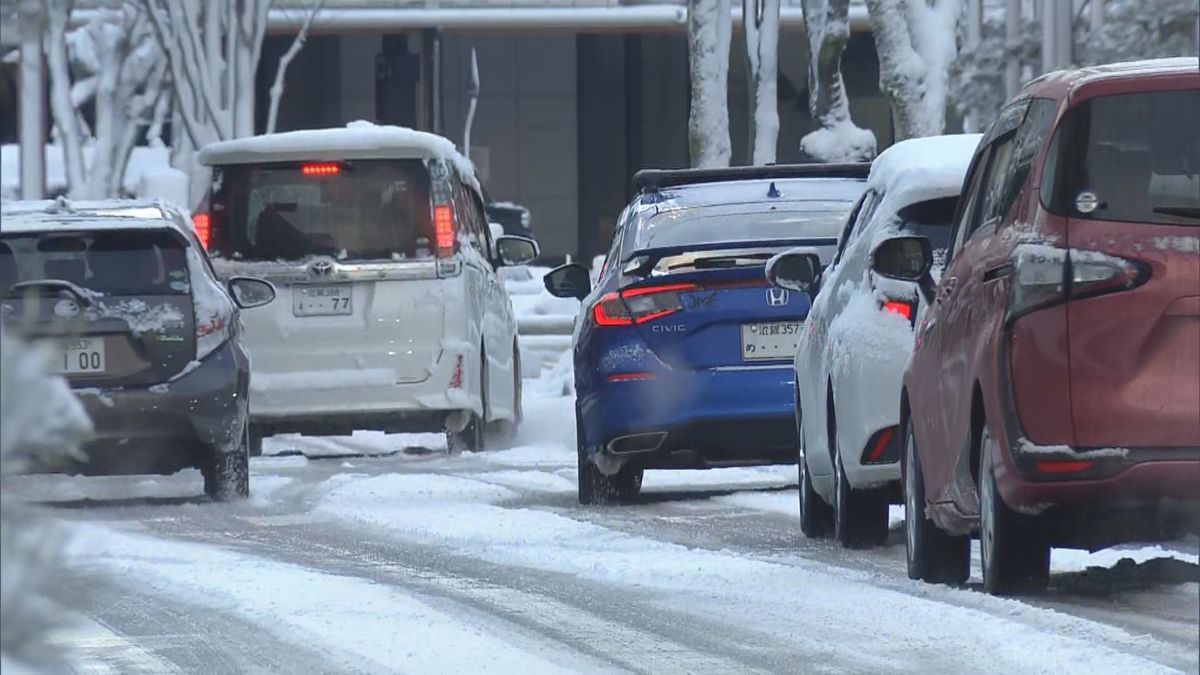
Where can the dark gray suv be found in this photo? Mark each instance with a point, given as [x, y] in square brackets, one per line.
[124, 298]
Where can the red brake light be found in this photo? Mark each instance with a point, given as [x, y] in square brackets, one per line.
[202, 223]
[320, 169]
[639, 305]
[904, 309]
[632, 377]
[443, 227]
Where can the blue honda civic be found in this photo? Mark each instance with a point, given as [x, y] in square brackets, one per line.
[683, 353]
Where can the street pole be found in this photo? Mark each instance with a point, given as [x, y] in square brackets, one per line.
[473, 100]
[1012, 45]
[32, 122]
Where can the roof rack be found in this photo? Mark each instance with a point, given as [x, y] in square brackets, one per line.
[657, 179]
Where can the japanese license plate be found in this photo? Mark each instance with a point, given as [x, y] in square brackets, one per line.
[322, 300]
[773, 340]
[80, 355]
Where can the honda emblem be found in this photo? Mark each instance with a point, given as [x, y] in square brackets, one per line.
[777, 297]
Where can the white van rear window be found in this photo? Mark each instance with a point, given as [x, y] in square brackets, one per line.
[350, 210]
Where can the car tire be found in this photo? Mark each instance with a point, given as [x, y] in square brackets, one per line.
[1013, 547]
[473, 437]
[932, 554]
[594, 486]
[859, 516]
[816, 517]
[227, 474]
[505, 431]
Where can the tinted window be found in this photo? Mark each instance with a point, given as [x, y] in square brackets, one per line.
[930, 219]
[113, 262]
[364, 209]
[736, 223]
[1139, 153]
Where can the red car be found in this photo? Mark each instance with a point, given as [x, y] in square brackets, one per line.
[1053, 396]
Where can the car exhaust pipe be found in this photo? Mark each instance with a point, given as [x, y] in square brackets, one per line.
[633, 443]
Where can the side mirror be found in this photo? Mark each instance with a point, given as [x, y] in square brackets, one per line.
[905, 258]
[568, 281]
[248, 292]
[794, 270]
[512, 251]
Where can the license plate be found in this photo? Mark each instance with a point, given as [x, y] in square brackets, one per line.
[322, 300]
[80, 355]
[773, 340]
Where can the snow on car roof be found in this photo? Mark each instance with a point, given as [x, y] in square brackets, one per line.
[46, 215]
[756, 192]
[357, 140]
[921, 169]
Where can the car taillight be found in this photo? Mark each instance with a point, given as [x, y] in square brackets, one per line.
[904, 309]
[639, 305]
[443, 227]
[1045, 275]
[317, 169]
[212, 329]
[202, 223]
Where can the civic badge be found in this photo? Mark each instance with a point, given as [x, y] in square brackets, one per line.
[777, 297]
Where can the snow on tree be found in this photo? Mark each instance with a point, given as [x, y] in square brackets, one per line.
[915, 40]
[1138, 29]
[116, 64]
[41, 422]
[977, 86]
[213, 49]
[837, 139]
[761, 18]
[709, 31]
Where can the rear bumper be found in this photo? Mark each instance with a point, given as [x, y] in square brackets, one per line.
[313, 402]
[694, 419]
[171, 426]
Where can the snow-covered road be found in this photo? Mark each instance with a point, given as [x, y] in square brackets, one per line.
[368, 555]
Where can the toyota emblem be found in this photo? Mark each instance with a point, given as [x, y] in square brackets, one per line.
[321, 268]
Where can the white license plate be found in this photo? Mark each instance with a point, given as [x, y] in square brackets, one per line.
[773, 340]
[322, 300]
[80, 355]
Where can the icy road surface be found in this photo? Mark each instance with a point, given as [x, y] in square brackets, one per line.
[367, 554]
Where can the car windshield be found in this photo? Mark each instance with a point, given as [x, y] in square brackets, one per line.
[1138, 153]
[111, 262]
[681, 227]
[361, 209]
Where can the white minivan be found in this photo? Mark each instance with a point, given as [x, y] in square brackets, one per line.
[391, 315]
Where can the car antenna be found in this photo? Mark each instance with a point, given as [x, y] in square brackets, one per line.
[773, 192]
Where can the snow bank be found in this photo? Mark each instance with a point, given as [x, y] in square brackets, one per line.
[145, 161]
[357, 140]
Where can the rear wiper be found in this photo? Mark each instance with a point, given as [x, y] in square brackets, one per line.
[1181, 211]
[45, 286]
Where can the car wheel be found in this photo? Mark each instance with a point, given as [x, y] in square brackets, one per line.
[859, 516]
[227, 474]
[473, 437]
[1013, 547]
[816, 517]
[931, 554]
[594, 486]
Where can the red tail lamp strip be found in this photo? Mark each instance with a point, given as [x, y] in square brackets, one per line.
[443, 226]
[202, 223]
[904, 309]
[320, 169]
[632, 377]
[881, 445]
[1061, 467]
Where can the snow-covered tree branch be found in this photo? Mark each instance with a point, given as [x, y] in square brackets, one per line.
[761, 18]
[837, 138]
[285, 61]
[915, 40]
[709, 26]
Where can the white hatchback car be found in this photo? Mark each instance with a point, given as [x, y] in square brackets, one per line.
[391, 314]
[858, 337]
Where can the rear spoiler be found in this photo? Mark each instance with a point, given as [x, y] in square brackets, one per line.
[649, 180]
[649, 257]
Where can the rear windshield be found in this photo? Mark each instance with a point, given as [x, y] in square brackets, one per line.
[112, 262]
[1139, 153]
[817, 220]
[360, 209]
[930, 219]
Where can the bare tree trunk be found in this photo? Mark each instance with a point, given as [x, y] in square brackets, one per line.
[62, 103]
[32, 133]
[837, 138]
[761, 18]
[708, 48]
[284, 62]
